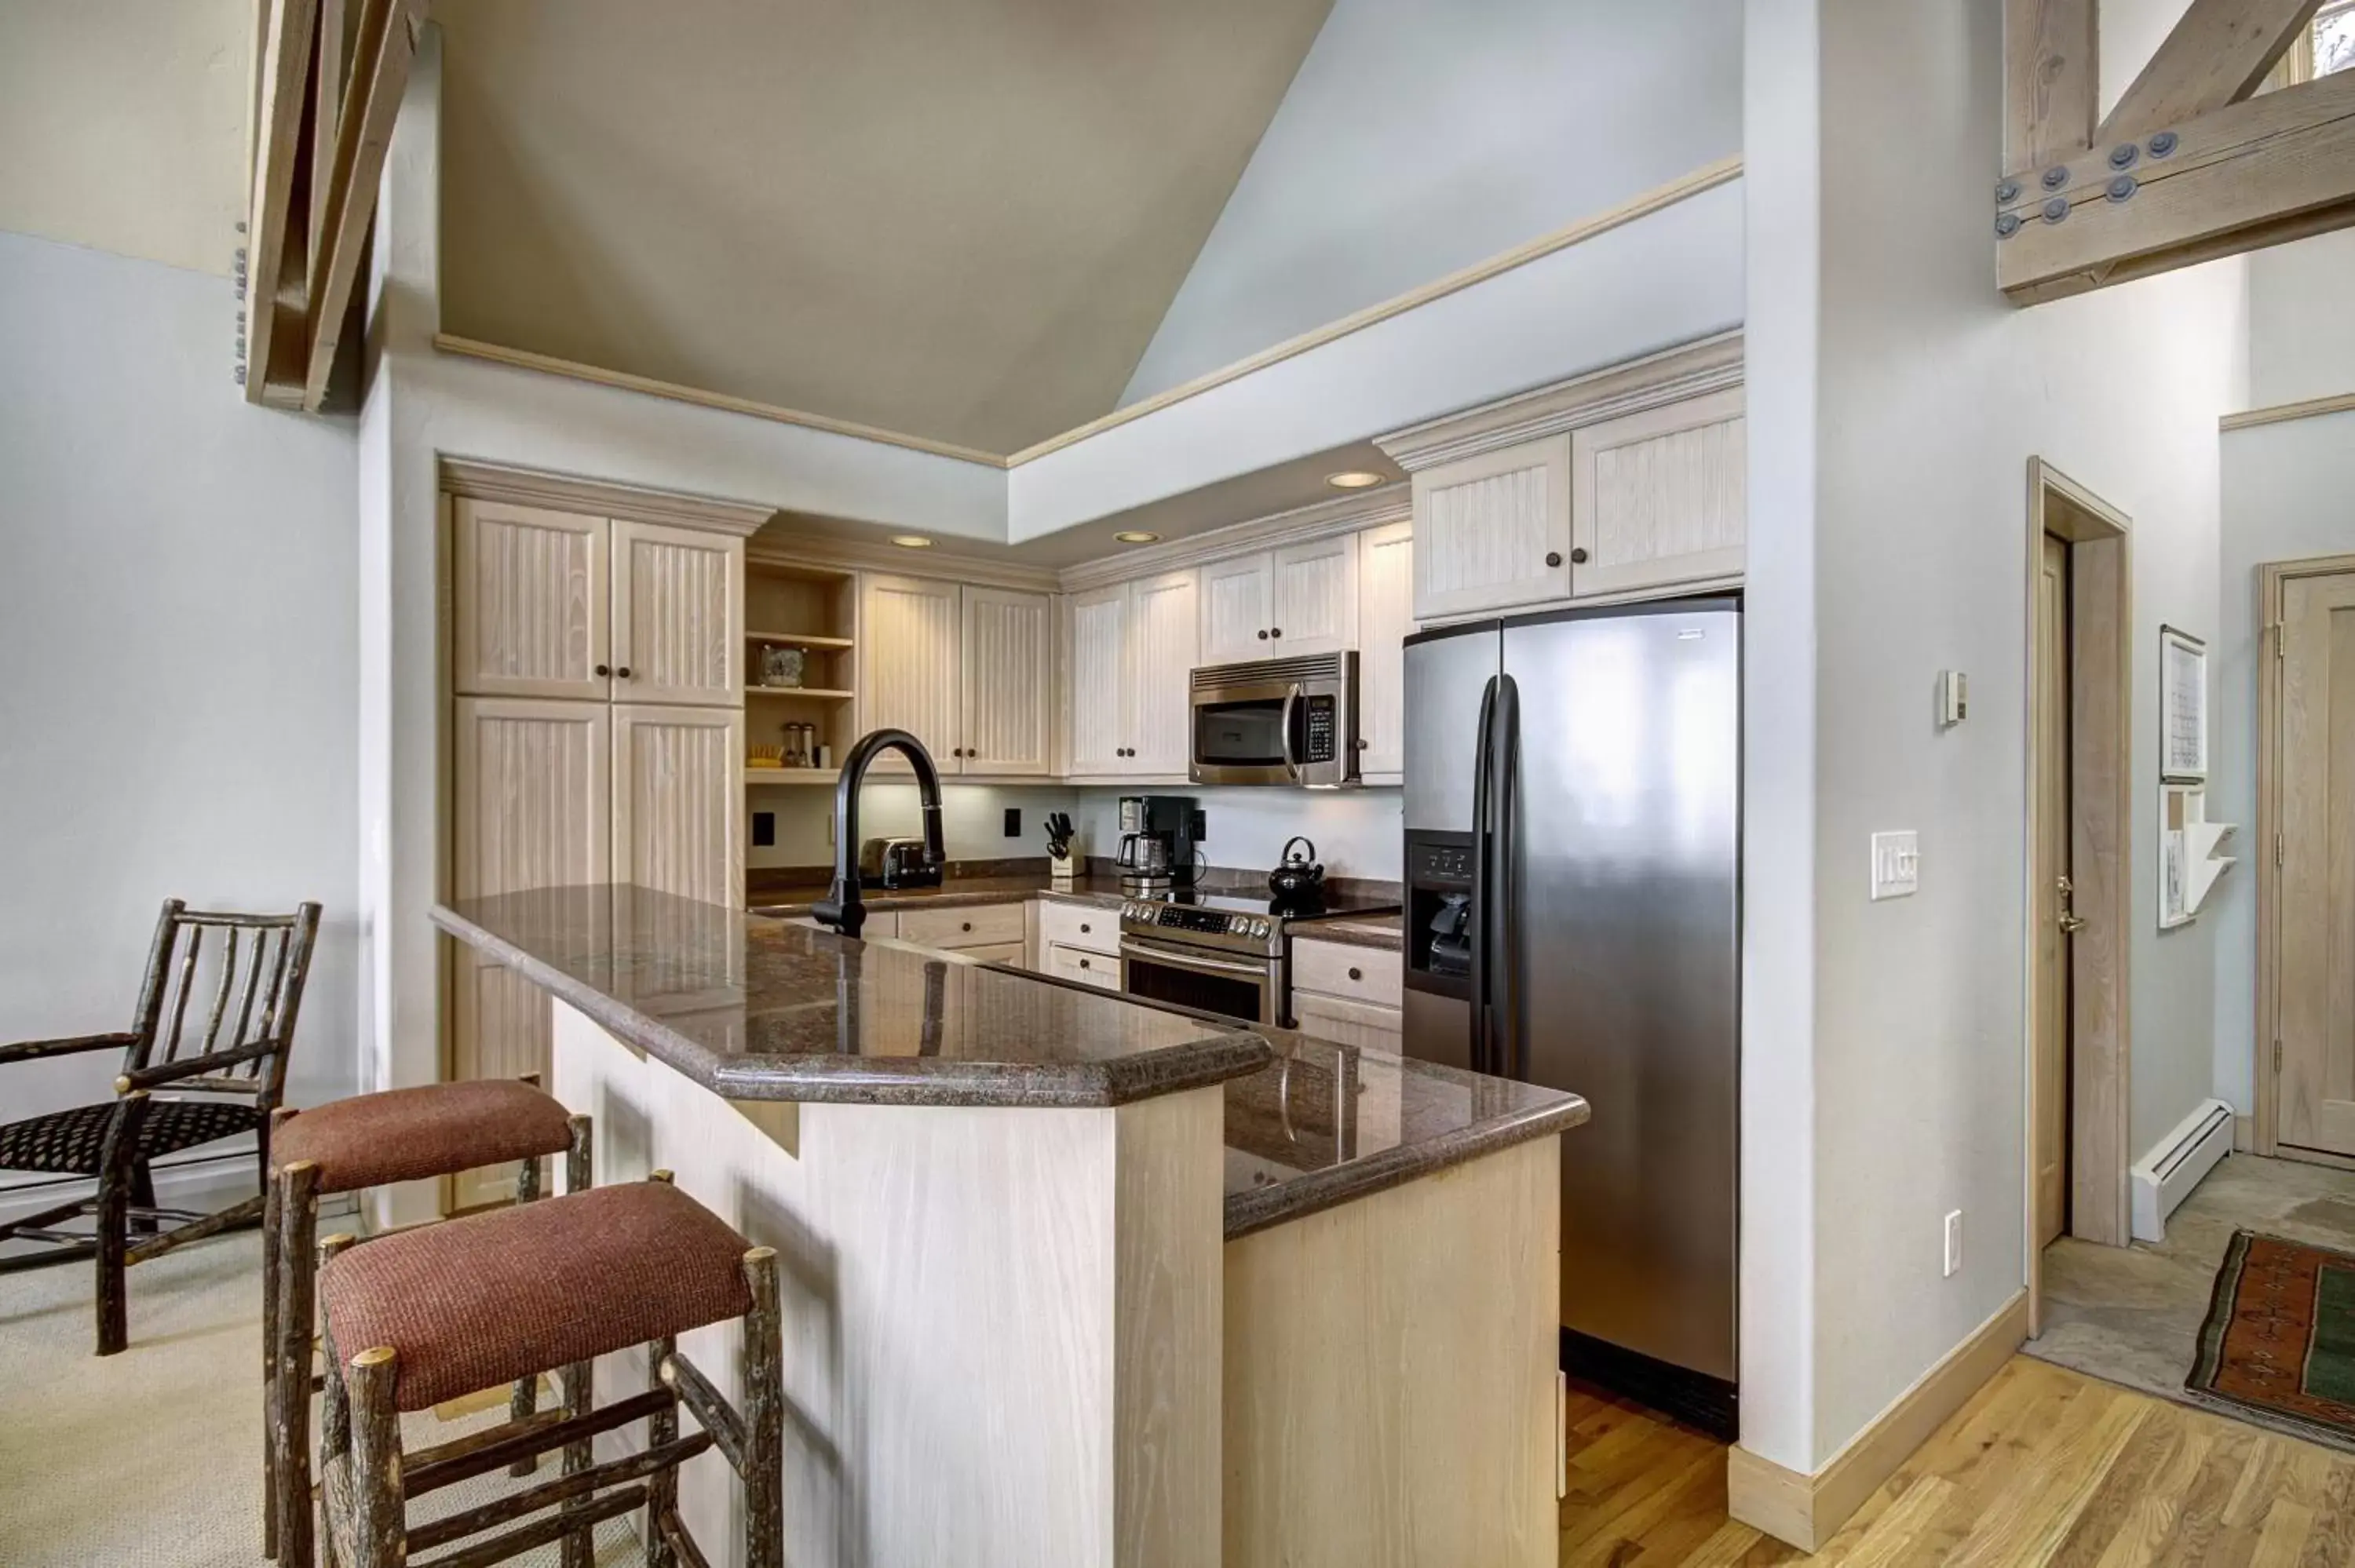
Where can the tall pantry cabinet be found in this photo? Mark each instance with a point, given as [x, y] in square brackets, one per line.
[597, 734]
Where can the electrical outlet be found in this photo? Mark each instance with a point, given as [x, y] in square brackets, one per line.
[1896, 864]
[1953, 1242]
[1013, 822]
[764, 829]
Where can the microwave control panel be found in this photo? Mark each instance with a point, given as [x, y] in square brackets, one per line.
[1323, 730]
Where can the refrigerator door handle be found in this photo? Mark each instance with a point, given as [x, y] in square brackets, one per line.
[1504, 971]
[1482, 776]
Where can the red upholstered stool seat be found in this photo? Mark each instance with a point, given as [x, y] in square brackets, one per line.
[435, 1129]
[493, 1298]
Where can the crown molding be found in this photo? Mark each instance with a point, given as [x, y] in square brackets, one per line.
[567, 493]
[1706, 364]
[1317, 520]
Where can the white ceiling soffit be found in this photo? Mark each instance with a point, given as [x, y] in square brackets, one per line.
[961, 221]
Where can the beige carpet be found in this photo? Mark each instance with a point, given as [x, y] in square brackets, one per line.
[153, 1458]
[2132, 1315]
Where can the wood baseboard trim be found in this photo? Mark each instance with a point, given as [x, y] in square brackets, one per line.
[1807, 1510]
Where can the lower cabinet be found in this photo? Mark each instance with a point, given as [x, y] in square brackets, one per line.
[1100, 970]
[1347, 994]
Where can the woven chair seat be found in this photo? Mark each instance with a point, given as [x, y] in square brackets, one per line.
[434, 1129]
[70, 1143]
[492, 1297]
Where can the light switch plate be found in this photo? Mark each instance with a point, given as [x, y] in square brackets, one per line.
[1896, 864]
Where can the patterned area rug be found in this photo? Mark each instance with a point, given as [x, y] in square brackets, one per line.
[2280, 1335]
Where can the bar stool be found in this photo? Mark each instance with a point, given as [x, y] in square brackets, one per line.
[445, 1310]
[346, 1146]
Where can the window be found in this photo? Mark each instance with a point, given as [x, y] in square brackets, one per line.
[2334, 38]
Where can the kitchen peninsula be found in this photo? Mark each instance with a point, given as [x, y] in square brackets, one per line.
[1070, 1278]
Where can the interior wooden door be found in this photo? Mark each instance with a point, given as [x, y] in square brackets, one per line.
[531, 788]
[2315, 919]
[1313, 597]
[528, 602]
[1234, 611]
[1099, 681]
[1163, 626]
[1008, 681]
[2051, 909]
[1385, 618]
[911, 652]
[678, 800]
[678, 616]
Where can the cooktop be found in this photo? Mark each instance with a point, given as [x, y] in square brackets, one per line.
[1326, 906]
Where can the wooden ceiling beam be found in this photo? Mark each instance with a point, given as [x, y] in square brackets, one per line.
[2219, 53]
[383, 45]
[277, 228]
[2051, 66]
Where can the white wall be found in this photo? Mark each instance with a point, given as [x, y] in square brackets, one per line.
[973, 819]
[1358, 832]
[175, 608]
[1421, 136]
[2302, 321]
[1930, 394]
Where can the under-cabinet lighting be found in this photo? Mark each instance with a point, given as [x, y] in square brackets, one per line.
[1353, 478]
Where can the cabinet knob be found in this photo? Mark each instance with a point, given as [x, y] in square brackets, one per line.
[1356, 973]
[1578, 557]
[1084, 963]
[1363, 742]
[1553, 557]
[1085, 927]
[1275, 632]
[623, 672]
[1263, 635]
[605, 669]
[968, 926]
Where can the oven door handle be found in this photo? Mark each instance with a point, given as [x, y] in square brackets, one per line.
[1177, 959]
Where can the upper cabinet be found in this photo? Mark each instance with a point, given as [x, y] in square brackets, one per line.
[1299, 598]
[1132, 653]
[966, 670]
[1385, 621]
[1659, 499]
[1624, 484]
[1492, 532]
[552, 604]
[529, 595]
[1099, 666]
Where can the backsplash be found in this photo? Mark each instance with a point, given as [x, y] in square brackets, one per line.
[1357, 832]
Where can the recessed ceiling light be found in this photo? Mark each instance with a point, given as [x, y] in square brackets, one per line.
[1352, 478]
[1137, 536]
[911, 541]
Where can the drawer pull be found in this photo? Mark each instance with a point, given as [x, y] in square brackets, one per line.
[1084, 963]
[1085, 927]
[968, 926]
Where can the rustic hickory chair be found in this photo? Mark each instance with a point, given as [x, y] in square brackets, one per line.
[348, 1146]
[435, 1313]
[224, 1069]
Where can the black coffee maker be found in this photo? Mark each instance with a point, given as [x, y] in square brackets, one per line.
[1159, 837]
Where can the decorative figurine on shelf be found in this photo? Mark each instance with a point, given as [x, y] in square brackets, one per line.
[782, 666]
[1060, 862]
[765, 756]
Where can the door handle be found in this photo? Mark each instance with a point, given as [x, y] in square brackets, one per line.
[2070, 921]
[2072, 924]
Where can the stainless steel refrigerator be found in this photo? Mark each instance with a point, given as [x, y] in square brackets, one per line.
[1572, 826]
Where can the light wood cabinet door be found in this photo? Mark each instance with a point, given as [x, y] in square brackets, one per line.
[1078, 964]
[1162, 631]
[1385, 619]
[1099, 681]
[911, 648]
[1659, 499]
[1345, 1022]
[1236, 597]
[1008, 683]
[1312, 598]
[678, 800]
[678, 616]
[531, 781]
[1492, 532]
[528, 602]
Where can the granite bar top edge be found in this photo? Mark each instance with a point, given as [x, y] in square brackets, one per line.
[907, 1081]
[1297, 1197]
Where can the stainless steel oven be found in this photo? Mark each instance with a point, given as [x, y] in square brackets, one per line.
[1236, 986]
[1276, 721]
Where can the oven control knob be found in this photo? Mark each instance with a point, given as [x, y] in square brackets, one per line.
[1259, 927]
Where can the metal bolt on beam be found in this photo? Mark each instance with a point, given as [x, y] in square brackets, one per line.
[2006, 223]
[2124, 155]
[2162, 144]
[2056, 176]
[2007, 192]
[2121, 188]
[2056, 209]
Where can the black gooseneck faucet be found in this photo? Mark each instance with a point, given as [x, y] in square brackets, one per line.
[842, 907]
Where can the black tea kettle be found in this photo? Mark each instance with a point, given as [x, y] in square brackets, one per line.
[1299, 879]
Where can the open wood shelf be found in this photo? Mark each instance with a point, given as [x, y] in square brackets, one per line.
[799, 640]
[816, 693]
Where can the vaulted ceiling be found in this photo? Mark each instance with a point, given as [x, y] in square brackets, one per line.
[961, 221]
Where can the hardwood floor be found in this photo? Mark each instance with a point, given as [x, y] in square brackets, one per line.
[2043, 1465]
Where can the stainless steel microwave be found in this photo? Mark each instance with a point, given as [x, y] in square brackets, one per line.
[1278, 721]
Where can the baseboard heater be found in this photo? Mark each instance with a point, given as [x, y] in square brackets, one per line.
[2166, 1176]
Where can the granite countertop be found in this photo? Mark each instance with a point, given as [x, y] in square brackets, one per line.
[1369, 932]
[1322, 1124]
[757, 1010]
[789, 901]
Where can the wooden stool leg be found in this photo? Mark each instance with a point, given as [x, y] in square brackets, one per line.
[113, 1220]
[270, 1449]
[580, 1545]
[292, 1309]
[661, 1487]
[380, 1523]
[335, 1413]
[526, 1397]
[765, 1416]
[580, 1170]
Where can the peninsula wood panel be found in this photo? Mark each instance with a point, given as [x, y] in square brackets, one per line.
[532, 782]
[1492, 532]
[678, 800]
[1387, 1405]
[1659, 499]
[1163, 653]
[1060, 1405]
[1313, 596]
[1385, 619]
[2316, 921]
[1236, 600]
[1008, 681]
[911, 654]
[1099, 680]
[678, 615]
[530, 611]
